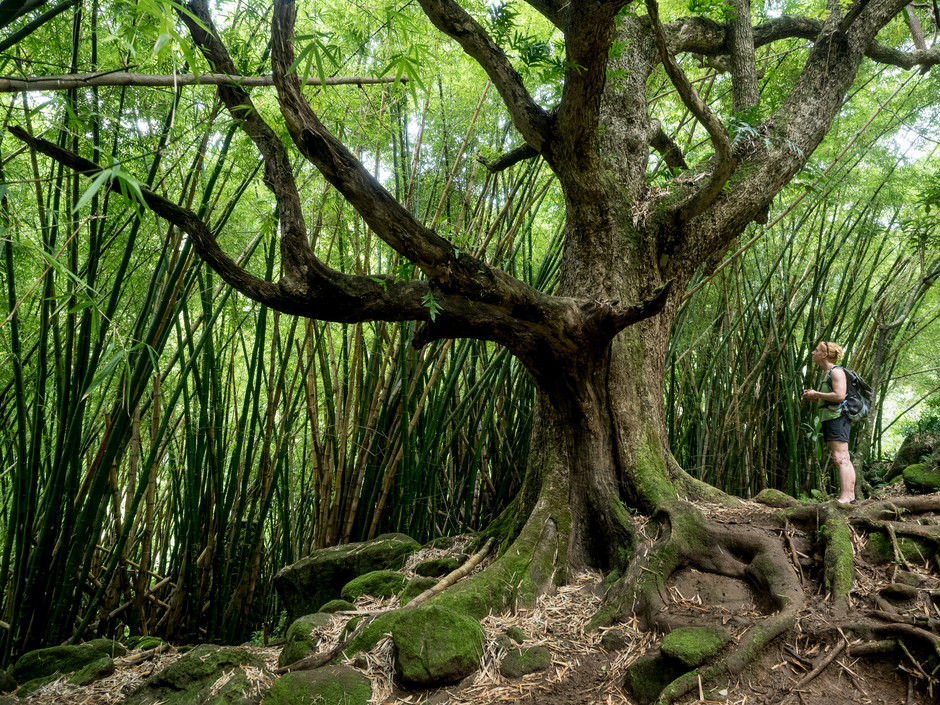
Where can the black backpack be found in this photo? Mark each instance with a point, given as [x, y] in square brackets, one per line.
[858, 396]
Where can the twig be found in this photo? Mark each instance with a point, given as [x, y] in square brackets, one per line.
[821, 667]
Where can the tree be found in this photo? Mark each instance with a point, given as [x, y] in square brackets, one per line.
[596, 347]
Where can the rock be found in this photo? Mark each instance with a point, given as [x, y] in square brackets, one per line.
[519, 662]
[692, 646]
[615, 640]
[330, 685]
[437, 567]
[337, 606]
[299, 641]
[7, 684]
[436, 646]
[194, 679]
[915, 447]
[31, 687]
[378, 583]
[414, 588]
[94, 671]
[648, 675]
[898, 592]
[516, 634]
[906, 578]
[919, 479]
[306, 585]
[63, 659]
[775, 498]
[502, 642]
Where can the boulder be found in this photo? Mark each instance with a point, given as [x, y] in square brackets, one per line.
[207, 675]
[94, 671]
[63, 659]
[378, 583]
[299, 641]
[648, 675]
[33, 686]
[330, 685]
[312, 581]
[337, 606]
[436, 646]
[520, 662]
[921, 479]
[437, 567]
[7, 684]
[414, 588]
[693, 646]
[913, 450]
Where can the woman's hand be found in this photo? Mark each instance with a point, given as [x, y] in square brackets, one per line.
[810, 395]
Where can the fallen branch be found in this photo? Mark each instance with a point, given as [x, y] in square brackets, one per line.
[453, 577]
[833, 655]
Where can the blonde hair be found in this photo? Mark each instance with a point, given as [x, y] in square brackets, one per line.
[833, 350]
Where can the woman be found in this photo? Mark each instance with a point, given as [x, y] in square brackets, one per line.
[835, 424]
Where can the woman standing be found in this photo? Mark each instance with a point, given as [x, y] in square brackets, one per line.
[835, 424]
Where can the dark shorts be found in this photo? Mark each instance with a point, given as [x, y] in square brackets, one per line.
[837, 429]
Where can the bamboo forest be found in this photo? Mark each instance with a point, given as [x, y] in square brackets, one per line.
[430, 351]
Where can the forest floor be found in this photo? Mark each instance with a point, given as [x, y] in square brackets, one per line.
[584, 672]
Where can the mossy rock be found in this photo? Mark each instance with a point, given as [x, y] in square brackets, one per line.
[94, 671]
[32, 686]
[916, 446]
[693, 646]
[878, 549]
[437, 567]
[299, 641]
[775, 498]
[415, 587]
[63, 659]
[436, 646]
[378, 583]
[520, 662]
[516, 634]
[334, 606]
[648, 675]
[191, 680]
[7, 684]
[330, 685]
[320, 577]
[919, 479]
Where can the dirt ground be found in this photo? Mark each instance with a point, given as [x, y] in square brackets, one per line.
[813, 664]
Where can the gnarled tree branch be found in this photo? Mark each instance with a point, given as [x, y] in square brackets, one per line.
[724, 162]
[532, 121]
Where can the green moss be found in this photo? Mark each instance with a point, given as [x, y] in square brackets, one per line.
[330, 685]
[647, 676]
[299, 641]
[193, 679]
[434, 645]
[414, 588]
[775, 498]
[102, 668]
[370, 635]
[838, 558]
[437, 567]
[516, 634]
[63, 659]
[878, 548]
[31, 686]
[919, 479]
[337, 606]
[652, 480]
[520, 662]
[378, 583]
[692, 646]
